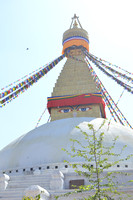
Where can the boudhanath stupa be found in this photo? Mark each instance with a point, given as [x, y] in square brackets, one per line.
[36, 159]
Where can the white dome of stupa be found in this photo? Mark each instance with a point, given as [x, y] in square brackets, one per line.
[44, 144]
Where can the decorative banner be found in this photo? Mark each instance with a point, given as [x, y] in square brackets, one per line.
[111, 64]
[12, 93]
[119, 74]
[114, 110]
[127, 87]
[24, 77]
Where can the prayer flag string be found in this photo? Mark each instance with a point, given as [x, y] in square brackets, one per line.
[119, 74]
[24, 77]
[118, 81]
[113, 108]
[107, 98]
[40, 118]
[100, 59]
[8, 95]
[105, 94]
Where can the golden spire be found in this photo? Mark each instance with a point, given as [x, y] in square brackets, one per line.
[75, 22]
[75, 25]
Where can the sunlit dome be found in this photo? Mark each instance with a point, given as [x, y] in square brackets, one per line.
[44, 145]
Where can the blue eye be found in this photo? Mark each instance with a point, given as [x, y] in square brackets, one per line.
[84, 109]
[65, 110]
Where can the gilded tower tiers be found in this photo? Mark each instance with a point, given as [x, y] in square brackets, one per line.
[75, 93]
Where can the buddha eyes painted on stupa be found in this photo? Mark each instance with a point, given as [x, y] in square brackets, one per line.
[74, 108]
[66, 110]
[83, 109]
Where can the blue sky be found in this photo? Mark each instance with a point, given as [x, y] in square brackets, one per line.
[39, 26]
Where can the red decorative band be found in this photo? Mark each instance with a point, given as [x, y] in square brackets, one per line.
[71, 100]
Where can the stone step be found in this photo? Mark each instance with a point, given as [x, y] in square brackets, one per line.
[76, 79]
[74, 87]
[26, 181]
[29, 180]
[27, 184]
[61, 92]
[71, 85]
[17, 194]
[28, 177]
[12, 194]
[72, 72]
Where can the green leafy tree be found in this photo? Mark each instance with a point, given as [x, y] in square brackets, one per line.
[102, 182]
